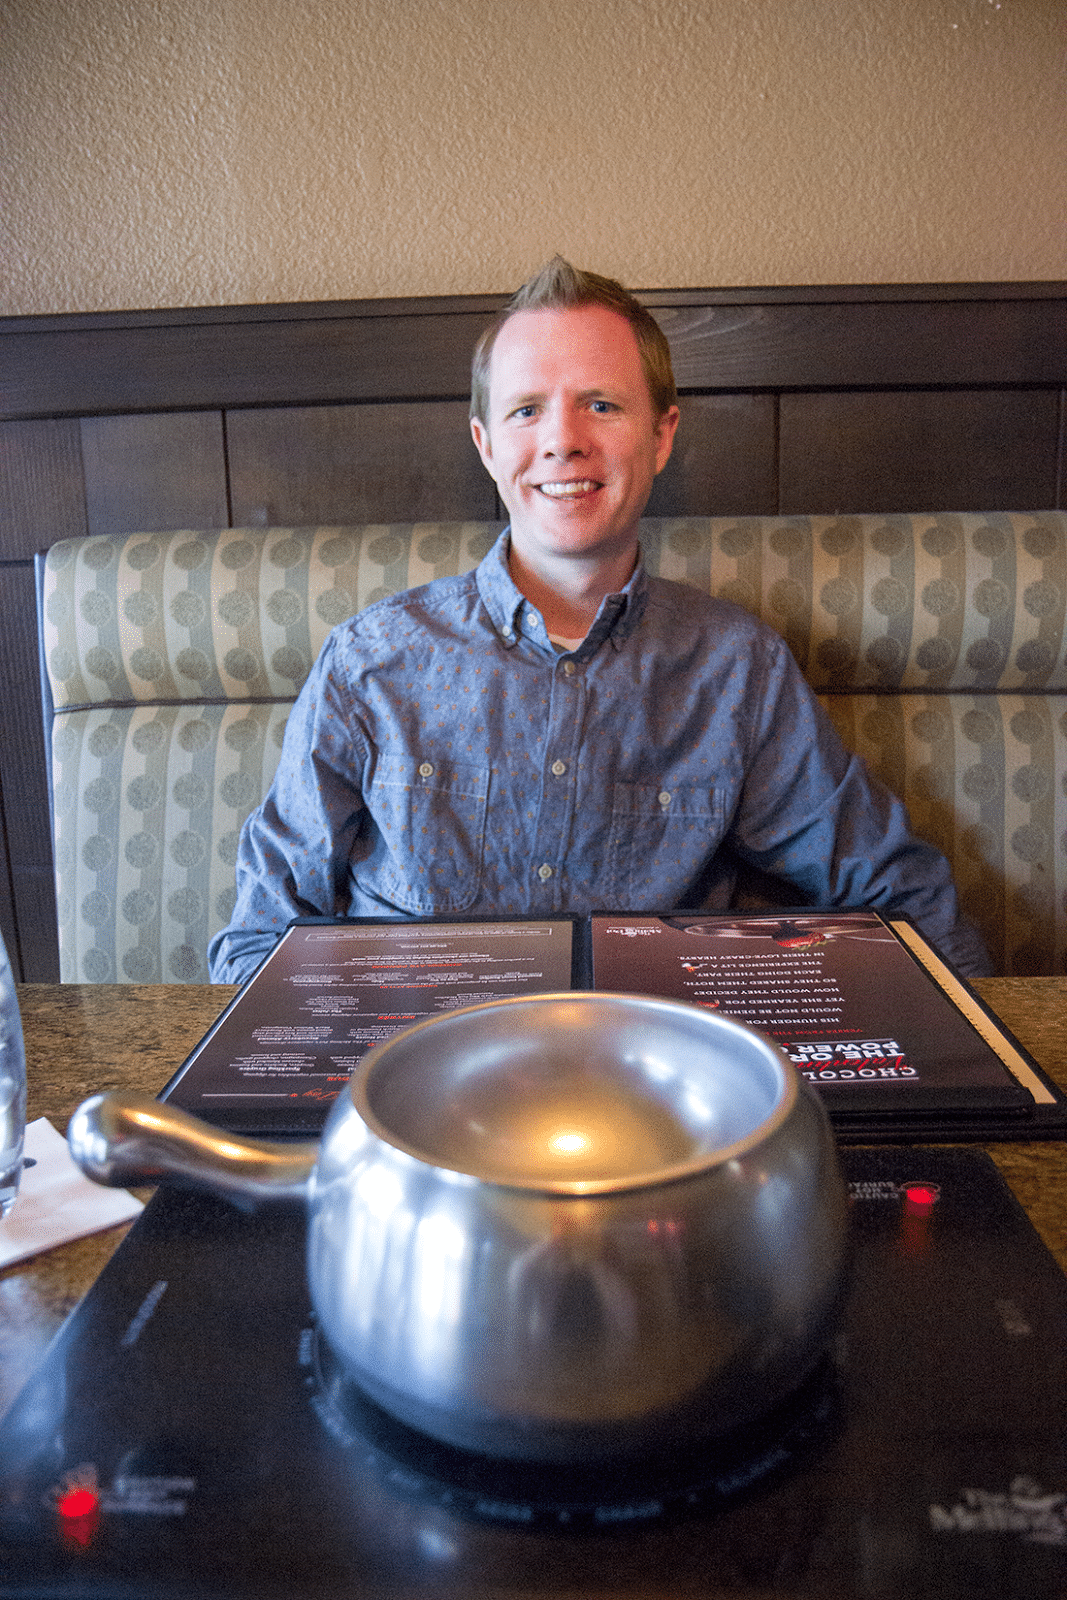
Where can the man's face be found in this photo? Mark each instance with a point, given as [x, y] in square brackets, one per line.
[571, 438]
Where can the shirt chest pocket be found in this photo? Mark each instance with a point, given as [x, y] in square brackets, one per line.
[430, 818]
[661, 837]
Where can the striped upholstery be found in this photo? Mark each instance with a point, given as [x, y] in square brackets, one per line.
[936, 642]
[173, 660]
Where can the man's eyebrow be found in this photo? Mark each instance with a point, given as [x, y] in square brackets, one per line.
[531, 397]
[537, 396]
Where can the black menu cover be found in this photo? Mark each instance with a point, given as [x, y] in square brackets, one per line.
[864, 1008]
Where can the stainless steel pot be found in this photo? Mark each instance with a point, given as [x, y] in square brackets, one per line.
[553, 1228]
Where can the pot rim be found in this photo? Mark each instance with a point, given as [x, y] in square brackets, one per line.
[583, 1188]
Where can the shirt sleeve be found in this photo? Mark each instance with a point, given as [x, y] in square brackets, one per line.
[294, 851]
[813, 813]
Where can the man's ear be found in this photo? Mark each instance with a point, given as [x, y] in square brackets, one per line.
[666, 428]
[480, 435]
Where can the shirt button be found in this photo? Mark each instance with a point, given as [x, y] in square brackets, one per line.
[544, 872]
[664, 797]
[569, 668]
[506, 630]
[558, 768]
[531, 619]
[426, 770]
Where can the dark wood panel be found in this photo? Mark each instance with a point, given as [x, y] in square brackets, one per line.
[42, 497]
[319, 310]
[983, 450]
[60, 366]
[371, 463]
[723, 463]
[469, 304]
[142, 368]
[878, 345]
[22, 777]
[149, 473]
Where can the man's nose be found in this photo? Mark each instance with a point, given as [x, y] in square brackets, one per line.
[564, 433]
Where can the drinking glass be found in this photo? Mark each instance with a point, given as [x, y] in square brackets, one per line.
[12, 1087]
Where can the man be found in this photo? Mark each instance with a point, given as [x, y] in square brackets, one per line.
[558, 731]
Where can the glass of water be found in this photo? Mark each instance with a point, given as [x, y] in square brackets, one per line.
[12, 1087]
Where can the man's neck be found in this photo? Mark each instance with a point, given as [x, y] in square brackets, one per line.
[569, 596]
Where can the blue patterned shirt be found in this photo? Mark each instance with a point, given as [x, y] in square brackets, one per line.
[444, 756]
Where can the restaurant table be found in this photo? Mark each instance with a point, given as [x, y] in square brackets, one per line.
[82, 1038]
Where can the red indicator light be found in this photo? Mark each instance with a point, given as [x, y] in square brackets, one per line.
[78, 1503]
[916, 1213]
[78, 1508]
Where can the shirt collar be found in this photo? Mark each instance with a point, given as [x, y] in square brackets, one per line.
[509, 609]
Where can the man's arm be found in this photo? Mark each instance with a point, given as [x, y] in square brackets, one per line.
[294, 852]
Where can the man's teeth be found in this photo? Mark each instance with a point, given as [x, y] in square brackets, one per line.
[560, 491]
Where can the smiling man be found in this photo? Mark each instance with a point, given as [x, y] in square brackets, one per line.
[573, 440]
[559, 731]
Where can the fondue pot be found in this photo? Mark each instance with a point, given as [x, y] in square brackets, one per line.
[556, 1228]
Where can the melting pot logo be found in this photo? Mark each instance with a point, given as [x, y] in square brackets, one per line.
[1027, 1510]
[80, 1497]
[916, 1193]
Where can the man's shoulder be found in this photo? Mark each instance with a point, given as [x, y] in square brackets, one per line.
[685, 606]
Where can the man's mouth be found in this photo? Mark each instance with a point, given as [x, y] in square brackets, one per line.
[566, 491]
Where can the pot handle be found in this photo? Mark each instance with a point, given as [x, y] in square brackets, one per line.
[128, 1139]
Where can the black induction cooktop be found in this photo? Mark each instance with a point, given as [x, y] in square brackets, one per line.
[189, 1434]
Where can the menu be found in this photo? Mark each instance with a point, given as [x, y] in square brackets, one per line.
[848, 997]
[328, 992]
[896, 1043]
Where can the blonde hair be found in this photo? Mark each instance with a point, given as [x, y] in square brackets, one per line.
[559, 286]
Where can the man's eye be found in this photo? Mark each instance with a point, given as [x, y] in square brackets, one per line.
[524, 412]
[602, 407]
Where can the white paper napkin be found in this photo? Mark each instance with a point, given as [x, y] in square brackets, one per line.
[56, 1202]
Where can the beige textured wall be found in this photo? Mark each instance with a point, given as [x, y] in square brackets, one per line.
[191, 152]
